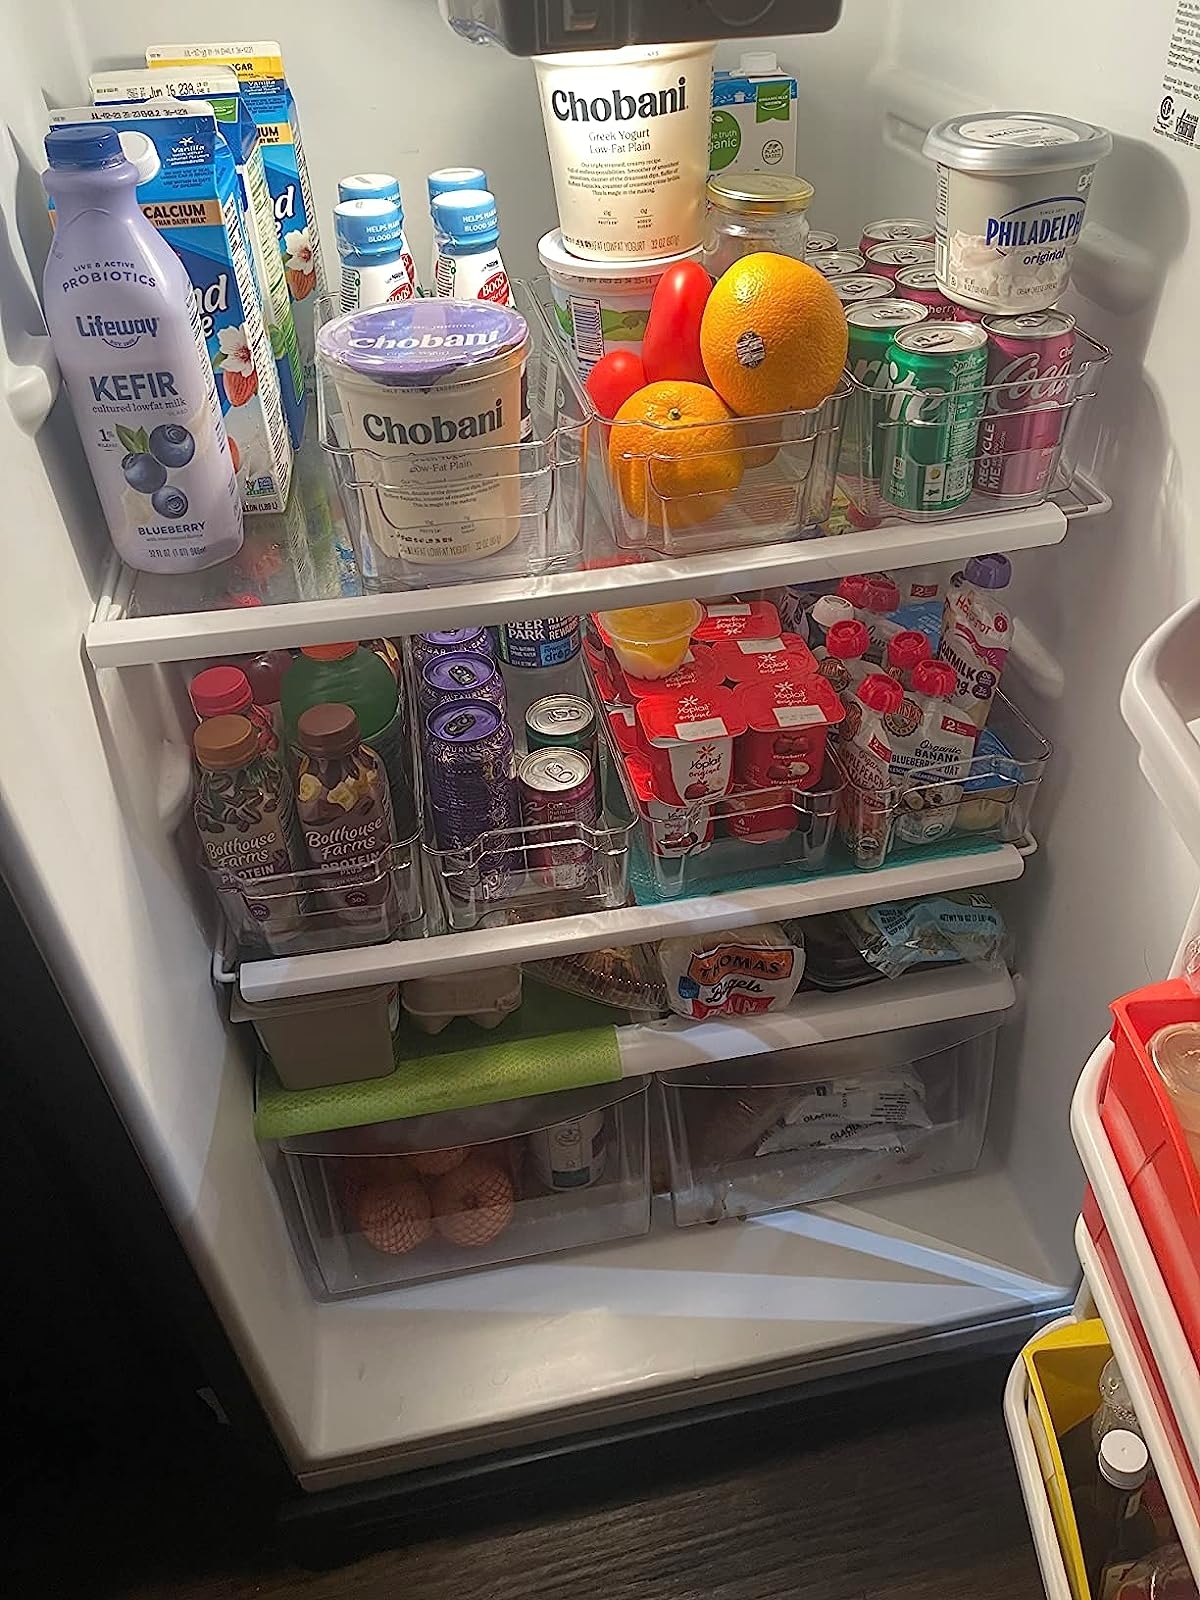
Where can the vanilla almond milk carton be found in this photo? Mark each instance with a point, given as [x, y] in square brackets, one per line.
[258, 67]
[218, 86]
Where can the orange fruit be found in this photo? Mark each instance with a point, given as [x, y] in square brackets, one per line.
[674, 455]
[773, 336]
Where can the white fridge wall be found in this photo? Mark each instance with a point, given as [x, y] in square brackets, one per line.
[382, 84]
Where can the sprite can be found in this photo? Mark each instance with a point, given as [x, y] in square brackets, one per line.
[871, 327]
[935, 374]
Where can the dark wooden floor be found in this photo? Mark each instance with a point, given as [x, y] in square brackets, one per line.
[906, 1492]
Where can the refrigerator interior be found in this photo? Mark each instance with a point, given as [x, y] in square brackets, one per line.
[95, 760]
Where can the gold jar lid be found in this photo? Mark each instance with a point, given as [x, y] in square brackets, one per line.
[760, 194]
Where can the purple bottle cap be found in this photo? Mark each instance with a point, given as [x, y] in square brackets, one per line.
[466, 722]
[988, 572]
[460, 671]
[420, 344]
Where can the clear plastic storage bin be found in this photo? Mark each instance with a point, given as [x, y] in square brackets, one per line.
[289, 915]
[989, 797]
[432, 1197]
[788, 468]
[798, 1126]
[1019, 447]
[542, 479]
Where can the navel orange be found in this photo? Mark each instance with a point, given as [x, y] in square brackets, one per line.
[674, 455]
[773, 336]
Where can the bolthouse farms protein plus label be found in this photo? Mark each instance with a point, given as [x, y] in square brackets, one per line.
[429, 390]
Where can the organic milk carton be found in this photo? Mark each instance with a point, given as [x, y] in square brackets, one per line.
[189, 191]
[259, 69]
[220, 88]
[753, 117]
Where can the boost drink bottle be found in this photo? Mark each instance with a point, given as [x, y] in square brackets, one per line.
[469, 264]
[376, 263]
[123, 321]
[449, 180]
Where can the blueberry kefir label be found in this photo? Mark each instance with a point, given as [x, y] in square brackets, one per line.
[430, 392]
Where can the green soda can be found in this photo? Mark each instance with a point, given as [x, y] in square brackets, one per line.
[871, 327]
[936, 373]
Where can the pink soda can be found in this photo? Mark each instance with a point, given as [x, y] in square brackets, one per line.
[888, 260]
[1028, 400]
[920, 284]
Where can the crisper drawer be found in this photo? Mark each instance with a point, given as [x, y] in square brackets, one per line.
[803, 1125]
[435, 1196]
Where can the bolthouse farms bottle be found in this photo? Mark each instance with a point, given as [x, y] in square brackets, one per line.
[123, 322]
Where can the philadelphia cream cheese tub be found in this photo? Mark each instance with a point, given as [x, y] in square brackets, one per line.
[628, 132]
[600, 306]
[1012, 189]
[431, 395]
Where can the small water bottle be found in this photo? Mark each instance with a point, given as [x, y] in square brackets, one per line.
[376, 264]
[448, 180]
[469, 264]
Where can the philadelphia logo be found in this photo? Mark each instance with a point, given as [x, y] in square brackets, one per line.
[1052, 221]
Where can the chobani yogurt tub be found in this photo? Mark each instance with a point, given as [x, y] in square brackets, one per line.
[426, 387]
[601, 305]
[1012, 190]
[628, 132]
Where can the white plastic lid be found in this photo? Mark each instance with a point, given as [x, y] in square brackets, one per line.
[1015, 142]
[139, 148]
[755, 63]
[559, 261]
[1124, 1459]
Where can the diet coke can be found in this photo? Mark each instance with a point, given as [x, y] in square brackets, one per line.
[1028, 401]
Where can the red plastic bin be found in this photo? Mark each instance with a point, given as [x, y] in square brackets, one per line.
[1149, 1144]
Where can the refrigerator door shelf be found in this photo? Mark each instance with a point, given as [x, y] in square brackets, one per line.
[1161, 702]
[1145, 1390]
[125, 631]
[1168, 1349]
[1029, 1472]
[277, 978]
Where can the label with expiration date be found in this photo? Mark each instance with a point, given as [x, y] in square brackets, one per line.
[1178, 113]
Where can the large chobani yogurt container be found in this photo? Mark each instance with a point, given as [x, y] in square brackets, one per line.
[431, 394]
[628, 132]
[1012, 188]
[601, 305]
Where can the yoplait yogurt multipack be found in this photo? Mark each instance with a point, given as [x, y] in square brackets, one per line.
[258, 67]
[189, 191]
[219, 87]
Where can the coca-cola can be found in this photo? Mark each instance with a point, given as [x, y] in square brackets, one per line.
[1027, 404]
[559, 811]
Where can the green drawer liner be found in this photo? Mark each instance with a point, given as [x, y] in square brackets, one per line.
[554, 1041]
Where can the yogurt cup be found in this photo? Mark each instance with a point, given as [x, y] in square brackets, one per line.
[628, 132]
[430, 392]
[1012, 189]
[601, 305]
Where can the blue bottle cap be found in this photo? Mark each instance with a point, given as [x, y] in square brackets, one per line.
[367, 227]
[467, 218]
[447, 179]
[988, 572]
[84, 145]
[370, 186]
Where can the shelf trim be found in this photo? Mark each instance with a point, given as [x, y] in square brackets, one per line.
[285, 977]
[115, 640]
[816, 1019]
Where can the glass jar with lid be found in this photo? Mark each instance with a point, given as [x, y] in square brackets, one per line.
[752, 211]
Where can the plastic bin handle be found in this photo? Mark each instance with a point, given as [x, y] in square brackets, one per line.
[1160, 698]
